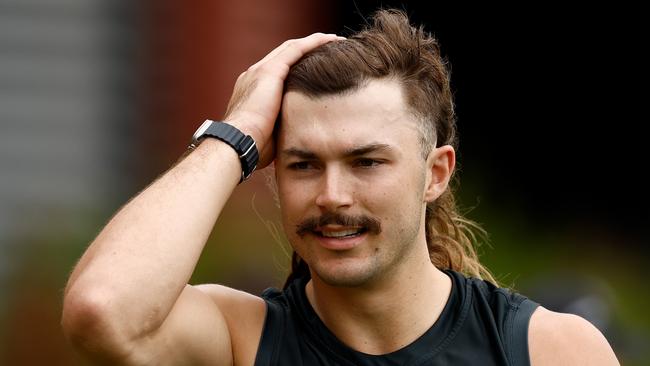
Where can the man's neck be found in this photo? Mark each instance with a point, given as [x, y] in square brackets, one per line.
[387, 316]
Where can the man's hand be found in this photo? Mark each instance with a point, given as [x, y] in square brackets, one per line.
[257, 95]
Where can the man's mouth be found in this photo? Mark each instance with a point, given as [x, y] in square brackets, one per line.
[340, 233]
[338, 237]
[338, 226]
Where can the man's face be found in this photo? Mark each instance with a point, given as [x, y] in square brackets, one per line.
[351, 182]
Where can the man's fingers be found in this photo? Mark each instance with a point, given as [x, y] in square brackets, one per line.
[257, 94]
[292, 50]
[310, 42]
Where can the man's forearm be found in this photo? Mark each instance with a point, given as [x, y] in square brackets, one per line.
[133, 272]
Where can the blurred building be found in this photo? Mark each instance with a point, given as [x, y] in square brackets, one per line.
[66, 111]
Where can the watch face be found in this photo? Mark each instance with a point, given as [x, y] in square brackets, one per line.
[201, 130]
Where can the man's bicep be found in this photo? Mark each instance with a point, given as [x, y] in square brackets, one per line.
[566, 339]
[245, 315]
[195, 332]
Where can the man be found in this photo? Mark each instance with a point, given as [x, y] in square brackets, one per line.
[363, 157]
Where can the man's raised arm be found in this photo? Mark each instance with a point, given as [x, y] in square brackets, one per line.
[127, 300]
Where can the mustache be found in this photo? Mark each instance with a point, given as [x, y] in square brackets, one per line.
[370, 224]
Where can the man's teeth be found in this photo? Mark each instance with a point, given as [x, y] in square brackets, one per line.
[340, 234]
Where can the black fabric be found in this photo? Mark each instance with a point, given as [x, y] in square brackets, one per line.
[480, 325]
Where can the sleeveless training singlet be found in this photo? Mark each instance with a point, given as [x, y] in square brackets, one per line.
[480, 325]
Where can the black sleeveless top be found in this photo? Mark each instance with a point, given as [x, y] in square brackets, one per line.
[480, 325]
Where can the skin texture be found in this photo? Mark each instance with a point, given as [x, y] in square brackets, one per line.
[127, 301]
[565, 340]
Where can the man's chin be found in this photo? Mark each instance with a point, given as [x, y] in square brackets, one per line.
[348, 276]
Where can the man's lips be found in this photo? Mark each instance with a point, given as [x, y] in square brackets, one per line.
[341, 238]
[337, 231]
[336, 225]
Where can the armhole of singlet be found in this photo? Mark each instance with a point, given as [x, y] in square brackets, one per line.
[519, 333]
[272, 333]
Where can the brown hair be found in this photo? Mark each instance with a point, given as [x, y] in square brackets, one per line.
[391, 47]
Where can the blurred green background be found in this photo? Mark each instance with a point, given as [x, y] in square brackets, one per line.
[99, 97]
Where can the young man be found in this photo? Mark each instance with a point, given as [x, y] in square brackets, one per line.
[363, 155]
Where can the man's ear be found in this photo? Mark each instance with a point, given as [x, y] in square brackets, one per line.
[440, 166]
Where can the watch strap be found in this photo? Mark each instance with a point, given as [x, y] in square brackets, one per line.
[243, 144]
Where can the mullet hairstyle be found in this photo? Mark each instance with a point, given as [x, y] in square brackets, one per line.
[391, 48]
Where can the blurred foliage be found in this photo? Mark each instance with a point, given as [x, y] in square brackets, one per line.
[41, 261]
[525, 254]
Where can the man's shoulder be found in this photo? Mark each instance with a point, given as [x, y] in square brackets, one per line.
[566, 339]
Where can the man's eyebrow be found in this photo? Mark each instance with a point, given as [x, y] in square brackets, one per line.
[365, 149]
[303, 154]
[352, 152]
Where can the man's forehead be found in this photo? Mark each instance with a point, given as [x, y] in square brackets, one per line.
[376, 109]
[385, 92]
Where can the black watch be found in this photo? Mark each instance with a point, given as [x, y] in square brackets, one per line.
[244, 145]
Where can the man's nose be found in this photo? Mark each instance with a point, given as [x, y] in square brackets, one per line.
[335, 190]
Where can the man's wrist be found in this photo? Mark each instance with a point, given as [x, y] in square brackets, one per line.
[247, 129]
[243, 144]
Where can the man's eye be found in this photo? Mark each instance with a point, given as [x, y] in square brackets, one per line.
[367, 163]
[301, 165]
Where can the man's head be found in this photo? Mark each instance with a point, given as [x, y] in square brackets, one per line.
[387, 90]
[393, 49]
[352, 183]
